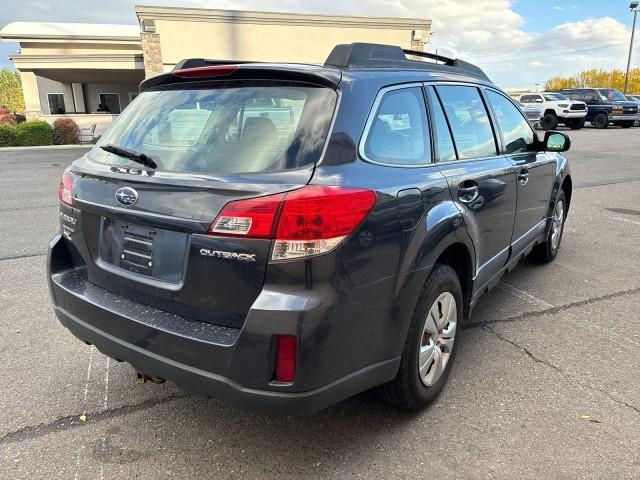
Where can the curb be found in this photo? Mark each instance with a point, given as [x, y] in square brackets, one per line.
[46, 147]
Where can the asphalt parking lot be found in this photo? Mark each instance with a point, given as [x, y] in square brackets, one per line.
[550, 345]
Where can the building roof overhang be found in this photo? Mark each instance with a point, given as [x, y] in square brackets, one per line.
[148, 12]
[38, 31]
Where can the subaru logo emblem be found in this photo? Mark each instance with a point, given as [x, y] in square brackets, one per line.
[126, 196]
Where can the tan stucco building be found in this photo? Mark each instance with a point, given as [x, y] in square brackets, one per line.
[92, 71]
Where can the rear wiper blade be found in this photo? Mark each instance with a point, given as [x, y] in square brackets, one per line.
[138, 157]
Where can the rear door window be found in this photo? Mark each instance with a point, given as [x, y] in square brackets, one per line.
[469, 121]
[397, 133]
[223, 131]
[516, 131]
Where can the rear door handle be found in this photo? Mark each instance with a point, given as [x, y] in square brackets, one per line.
[468, 192]
[523, 176]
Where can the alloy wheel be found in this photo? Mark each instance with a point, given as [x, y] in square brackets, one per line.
[557, 225]
[436, 341]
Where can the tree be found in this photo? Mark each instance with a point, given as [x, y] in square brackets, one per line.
[11, 95]
[558, 83]
[597, 78]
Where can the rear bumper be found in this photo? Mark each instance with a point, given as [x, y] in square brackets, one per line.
[199, 357]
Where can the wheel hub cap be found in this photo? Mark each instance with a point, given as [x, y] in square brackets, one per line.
[436, 341]
[557, 224]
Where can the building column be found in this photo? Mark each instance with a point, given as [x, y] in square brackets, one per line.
[32, 108]
[151, 53]
[69, 104]
[418, 40]
[78, 98]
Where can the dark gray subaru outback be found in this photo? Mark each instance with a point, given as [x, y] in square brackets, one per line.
[284, 236]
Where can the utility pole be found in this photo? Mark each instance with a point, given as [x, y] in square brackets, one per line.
[634, 8]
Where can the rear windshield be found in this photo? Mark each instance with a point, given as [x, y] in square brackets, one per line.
[226, 130]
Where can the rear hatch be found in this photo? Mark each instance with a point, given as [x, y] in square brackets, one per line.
[145, 232]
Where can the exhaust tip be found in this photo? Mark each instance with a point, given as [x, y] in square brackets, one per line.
[144, 378]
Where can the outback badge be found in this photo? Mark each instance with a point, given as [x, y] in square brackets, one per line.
[241, 257]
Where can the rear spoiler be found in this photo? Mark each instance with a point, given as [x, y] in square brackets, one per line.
[243, 70]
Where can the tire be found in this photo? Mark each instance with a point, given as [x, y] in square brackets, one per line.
[549, 121]
[575, 123]
[601, 120]
[411, 390]
[547, 251]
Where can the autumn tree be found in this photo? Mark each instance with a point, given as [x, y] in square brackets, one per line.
[11, 91]
[558, 83]
[597, 78]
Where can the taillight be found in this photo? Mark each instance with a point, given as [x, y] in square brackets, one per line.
[206, 72]
[315, 219]
[286, 358]
[65, 192]
[251, 218]
[312, 220]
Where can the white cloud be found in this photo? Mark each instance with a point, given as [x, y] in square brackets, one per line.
[559, 8]
[487, 32]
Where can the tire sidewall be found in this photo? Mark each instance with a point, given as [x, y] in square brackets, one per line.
[575, 124]
[598, 121]
[447, 281]
[549, 121]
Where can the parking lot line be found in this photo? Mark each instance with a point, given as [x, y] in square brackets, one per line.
[627, 220]
[84, 410]
[105, 404]
[522, 295]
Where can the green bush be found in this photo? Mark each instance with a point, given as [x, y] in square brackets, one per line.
[34, 133]
[66, 132]
[7, 135]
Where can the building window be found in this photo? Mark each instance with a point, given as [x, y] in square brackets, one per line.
[109, 103]
[56, 103]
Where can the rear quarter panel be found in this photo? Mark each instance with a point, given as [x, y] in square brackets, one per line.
[386, 260]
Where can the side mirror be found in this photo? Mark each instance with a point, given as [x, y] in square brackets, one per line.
[538, 100]
[556, 142]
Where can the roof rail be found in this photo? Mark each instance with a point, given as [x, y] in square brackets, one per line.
[432, 56]
[372, 55]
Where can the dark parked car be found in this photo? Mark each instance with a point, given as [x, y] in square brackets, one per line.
[635, 98]
[286, 269]
[605, 106]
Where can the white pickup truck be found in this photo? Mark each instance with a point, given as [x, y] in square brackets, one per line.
[555, 108]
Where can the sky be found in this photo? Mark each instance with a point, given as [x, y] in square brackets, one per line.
[519, 43]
